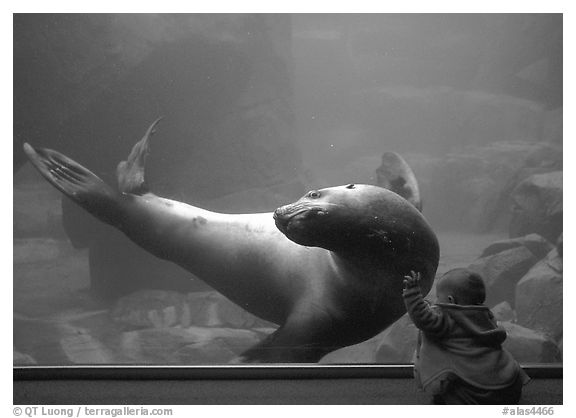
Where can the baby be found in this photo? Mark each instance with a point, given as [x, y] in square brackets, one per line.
[459, 357]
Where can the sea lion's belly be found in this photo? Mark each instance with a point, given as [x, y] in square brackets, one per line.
[246, 258]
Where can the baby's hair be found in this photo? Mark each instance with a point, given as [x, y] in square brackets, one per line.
[465, 285]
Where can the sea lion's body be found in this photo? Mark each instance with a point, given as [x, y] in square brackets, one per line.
[328, 269]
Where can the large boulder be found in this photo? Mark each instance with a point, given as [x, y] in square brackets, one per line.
[501, 272]
[537, 206]
[470, 189]
[539, 297]
[503, 312]
[529, 346]
[538, 245]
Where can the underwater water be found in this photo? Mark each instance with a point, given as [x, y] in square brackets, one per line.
[258, 110]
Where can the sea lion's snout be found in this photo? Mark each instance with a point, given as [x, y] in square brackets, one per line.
[295, 216]
[280, 219]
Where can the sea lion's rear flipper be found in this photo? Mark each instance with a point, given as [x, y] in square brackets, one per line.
[86, 188]
[396, 175]
[75, 181]
[130, 173]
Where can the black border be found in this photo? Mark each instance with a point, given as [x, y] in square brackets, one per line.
[243, 372]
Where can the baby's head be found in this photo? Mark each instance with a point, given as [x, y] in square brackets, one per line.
[462, 287]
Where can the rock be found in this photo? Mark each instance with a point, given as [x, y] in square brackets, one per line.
[39, 339]
[554, 261]
[65, 340]
[21, 359]
[165, 308]
[152, 309]
[545, 156]
[539, 297]
[529, 346]
[539, 245]
[537, 206]
[90, 337]
[68, 337]
[473, 185]
[212, 309]
[502, 271]
[503, 312]
[83, 348]
[192, 345]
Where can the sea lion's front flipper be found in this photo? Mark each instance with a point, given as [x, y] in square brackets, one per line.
[75, 181]
[396, 175]
[130, 173]
[303, 338]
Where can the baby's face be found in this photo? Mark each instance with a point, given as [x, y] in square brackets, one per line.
[442, 296]
[444, 293]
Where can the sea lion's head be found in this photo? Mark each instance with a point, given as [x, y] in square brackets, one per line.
[343, 217]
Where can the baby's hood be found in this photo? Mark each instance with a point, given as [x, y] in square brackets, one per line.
[475, 321]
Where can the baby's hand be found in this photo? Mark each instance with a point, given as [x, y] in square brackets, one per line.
[412, 281]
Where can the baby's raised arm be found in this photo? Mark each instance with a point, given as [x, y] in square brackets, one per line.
[430, 321]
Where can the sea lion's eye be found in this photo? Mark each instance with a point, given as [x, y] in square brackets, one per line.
[350, 186]
[314, 194]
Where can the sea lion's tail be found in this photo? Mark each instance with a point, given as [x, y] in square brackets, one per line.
[75, 181]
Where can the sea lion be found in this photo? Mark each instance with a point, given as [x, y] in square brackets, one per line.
[328, 268]
[395, 174]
